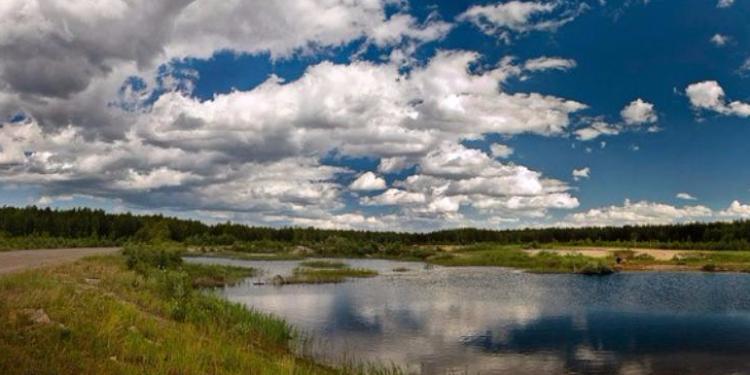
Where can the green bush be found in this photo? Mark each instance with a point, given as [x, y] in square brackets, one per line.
[140, 257]
[595, 268]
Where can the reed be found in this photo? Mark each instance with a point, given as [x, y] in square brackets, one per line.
[324, 264]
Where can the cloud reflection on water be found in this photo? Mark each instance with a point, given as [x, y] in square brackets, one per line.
[492, 321]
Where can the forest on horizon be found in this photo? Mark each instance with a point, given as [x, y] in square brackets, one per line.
[97, 227]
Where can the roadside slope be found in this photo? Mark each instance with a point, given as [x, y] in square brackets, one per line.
[95, 316]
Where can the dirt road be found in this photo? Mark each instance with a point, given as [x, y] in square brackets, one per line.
[15, 261]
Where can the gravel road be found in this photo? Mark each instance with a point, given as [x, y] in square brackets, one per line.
[15, 261]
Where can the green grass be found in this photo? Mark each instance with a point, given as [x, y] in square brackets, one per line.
[303, 275]
[143, 313]
[735, 257]
[323, 264]
[513, 257]
[130, 323]
[714, 261]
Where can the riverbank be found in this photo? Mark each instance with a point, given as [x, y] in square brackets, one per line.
[571, 259]
[113, 314]
[553, 259]
[645, 259]
[453, 256]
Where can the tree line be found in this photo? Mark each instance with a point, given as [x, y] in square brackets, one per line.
[95, 224]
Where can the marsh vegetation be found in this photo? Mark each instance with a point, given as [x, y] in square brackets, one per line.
[304, 275]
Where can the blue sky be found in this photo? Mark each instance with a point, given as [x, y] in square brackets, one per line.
[380, 114]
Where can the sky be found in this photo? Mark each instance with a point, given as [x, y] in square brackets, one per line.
[379, 114]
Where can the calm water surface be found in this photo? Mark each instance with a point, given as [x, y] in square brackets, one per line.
[500, 321]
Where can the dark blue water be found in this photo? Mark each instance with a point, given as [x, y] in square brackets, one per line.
[499, 321]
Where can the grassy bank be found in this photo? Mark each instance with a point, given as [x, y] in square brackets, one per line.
[304, 275]
[139, 314]
[618, 258]
[561, 258]
[707, 261]
[515, 257]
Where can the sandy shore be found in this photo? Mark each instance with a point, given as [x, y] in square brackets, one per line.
[603, 252]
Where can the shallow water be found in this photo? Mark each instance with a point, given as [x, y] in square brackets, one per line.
[499, 321]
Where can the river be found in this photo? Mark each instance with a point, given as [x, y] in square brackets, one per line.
[487, 320]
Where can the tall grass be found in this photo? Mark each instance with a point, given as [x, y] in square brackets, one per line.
[130, 323]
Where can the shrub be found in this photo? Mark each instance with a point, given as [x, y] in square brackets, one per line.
[709, 268]
[624, 254]
[595, 268]
[533, 245]
[162, 256]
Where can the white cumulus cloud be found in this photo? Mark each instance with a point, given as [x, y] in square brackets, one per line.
[504, 18]
[368, 181]
[737, 210]
[581, 173]
[686, 196]
[643, 212]
[501, 151]
[453, 176]
[709, 95]
[639, 112]
[547, 63]
[255, 155]
[597, 129]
